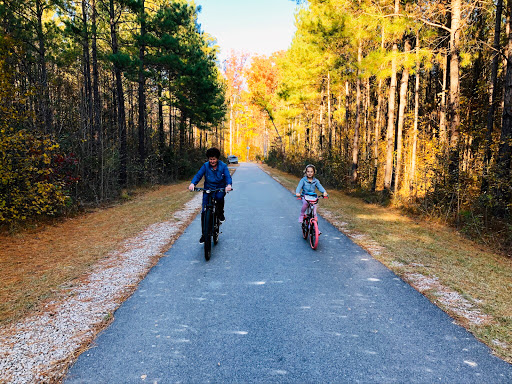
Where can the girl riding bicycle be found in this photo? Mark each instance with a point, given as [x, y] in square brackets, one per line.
[308, 186]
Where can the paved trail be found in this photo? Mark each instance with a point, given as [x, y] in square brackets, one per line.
[267, 308]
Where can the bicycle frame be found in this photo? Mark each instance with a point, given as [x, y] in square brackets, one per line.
[310, 222]
[210, 222]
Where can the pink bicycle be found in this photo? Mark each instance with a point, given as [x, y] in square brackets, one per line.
[310, 221]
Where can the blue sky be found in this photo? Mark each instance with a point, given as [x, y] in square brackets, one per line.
[253, 26]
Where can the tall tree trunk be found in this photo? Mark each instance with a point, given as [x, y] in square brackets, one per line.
[454, 105]
[97, 131]
[321, 120]
[390, 133]
[367, 125]
[443, 136]
[87, 77]
[44, 96]
[505, 149]
[232, 103]
[95, 77]
[347, 119]
[401, 115]
[355, 143]
[388, 173]
[142, 91]
[376, 135]
[329, 117]
[412, 184]
[378, 120]
[493, 84]
[183, 129]
[161, 134]
[121, 114]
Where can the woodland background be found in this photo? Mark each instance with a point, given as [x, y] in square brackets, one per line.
[401, 102]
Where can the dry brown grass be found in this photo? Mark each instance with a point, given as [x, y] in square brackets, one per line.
[34, 264]
[409, 245]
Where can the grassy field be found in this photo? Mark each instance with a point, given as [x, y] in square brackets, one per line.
[35, 263]
[412, 247]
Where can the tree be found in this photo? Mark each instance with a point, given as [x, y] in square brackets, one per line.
[233, 72]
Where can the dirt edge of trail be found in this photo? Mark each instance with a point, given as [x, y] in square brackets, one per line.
[41, 347]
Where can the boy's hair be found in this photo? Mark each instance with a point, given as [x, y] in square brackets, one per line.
[213, 152]
[310, 166]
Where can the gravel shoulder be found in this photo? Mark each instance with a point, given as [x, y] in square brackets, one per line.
[39, 348]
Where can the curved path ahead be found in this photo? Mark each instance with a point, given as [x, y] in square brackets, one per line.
[267, 308]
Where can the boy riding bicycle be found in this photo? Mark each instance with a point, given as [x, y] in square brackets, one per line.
[216, 175]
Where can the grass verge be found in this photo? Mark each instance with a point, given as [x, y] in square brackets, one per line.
[36, 263]
[470, 282]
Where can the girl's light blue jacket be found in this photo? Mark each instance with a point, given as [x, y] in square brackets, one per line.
[306, 187]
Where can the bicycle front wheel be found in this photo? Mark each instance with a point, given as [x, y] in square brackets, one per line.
[207, 231]
[216, 227]
[313, 234]
[305, 228]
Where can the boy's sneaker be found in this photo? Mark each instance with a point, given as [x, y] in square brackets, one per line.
[221, 216]
[201, 240]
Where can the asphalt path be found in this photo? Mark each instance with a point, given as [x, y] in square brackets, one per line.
[267, 308]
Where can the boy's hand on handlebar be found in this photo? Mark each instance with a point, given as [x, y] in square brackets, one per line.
[191, 187]
[228, 188]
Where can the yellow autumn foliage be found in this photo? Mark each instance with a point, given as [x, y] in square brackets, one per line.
[29, 185]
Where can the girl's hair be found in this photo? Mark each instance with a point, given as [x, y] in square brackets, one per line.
[310, 166]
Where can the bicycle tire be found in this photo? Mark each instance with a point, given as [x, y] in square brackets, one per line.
[313, 234]
[305, 228]
[216, 228]
[207, 234]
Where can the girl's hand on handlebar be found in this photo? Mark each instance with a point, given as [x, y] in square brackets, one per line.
[297, 194]
[325, 195]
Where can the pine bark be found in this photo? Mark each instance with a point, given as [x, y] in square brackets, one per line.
[390, 133]
[401, 116]
[121, 114]
[454, 104]
[355, 143]
[141, 90]
[493, 84]
[376, 136]
[412, 174]
[88, 120]
[504, 160]
[44, 96]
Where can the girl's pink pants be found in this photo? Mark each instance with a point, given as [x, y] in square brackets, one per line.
[303, 209]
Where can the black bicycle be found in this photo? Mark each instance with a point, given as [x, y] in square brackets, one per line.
[210, 222]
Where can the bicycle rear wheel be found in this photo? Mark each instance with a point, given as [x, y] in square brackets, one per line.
[207, 231]
[313, 234]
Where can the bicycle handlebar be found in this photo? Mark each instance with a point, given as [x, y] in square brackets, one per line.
[323, 197]
[210, 190]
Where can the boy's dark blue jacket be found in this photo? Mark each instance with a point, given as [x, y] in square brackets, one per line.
[213, 179]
